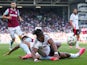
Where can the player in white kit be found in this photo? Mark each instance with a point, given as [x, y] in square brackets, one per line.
[26, 45]
[27, 41]
[44, 45]
[41, 49]
[75, 25]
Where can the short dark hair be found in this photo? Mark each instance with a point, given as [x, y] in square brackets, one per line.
[38, 32]
[13, 2]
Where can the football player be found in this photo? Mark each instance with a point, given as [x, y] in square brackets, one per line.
[47, 49]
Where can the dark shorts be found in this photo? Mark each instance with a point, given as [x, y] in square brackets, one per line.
[76, 32]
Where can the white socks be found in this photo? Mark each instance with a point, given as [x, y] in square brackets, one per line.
[74, 55]
[77, 44]
[25, 48]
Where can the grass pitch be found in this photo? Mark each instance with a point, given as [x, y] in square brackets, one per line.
[14, 59]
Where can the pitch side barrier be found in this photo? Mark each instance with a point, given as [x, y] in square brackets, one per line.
[56, 36]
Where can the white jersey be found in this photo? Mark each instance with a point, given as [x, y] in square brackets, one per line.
[39, 44]
[74, 19]
[43, 46]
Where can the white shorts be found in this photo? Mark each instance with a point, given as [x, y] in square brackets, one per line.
[14, 30]
[46, 50]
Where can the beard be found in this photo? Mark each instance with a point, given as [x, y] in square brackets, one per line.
[75, 13]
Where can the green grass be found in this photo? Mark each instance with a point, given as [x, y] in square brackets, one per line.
[14, 59]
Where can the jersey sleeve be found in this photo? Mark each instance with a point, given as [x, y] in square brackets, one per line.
[71, 17]
[6, 12]
[47, 37]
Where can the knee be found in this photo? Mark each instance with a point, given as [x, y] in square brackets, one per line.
[58, 44]
[13, 39]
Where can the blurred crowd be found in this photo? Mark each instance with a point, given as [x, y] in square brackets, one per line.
[48, 21]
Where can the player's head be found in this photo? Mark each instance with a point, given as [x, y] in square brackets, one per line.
[13, 4]
[39, 34]
[75, 11]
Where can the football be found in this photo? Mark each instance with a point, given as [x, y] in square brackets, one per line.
[71, 40]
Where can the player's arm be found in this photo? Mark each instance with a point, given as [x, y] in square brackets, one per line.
[53, 45]
[19, 17]
[71, 24]
[4, 16]
[34, 50]
[14, 49]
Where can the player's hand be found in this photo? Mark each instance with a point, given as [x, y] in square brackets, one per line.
[21, 19]
[9, 17]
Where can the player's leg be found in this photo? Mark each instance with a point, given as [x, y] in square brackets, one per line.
[19, 32]
[77, 34]
[44, 54]
[12, 34]
[78, 37]
[65, 55]
[58, 44]
[74, 33]
[25, 48]
[22, 45]
[27, 51]
[13, 40]
[14, 49]
[71, 55]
